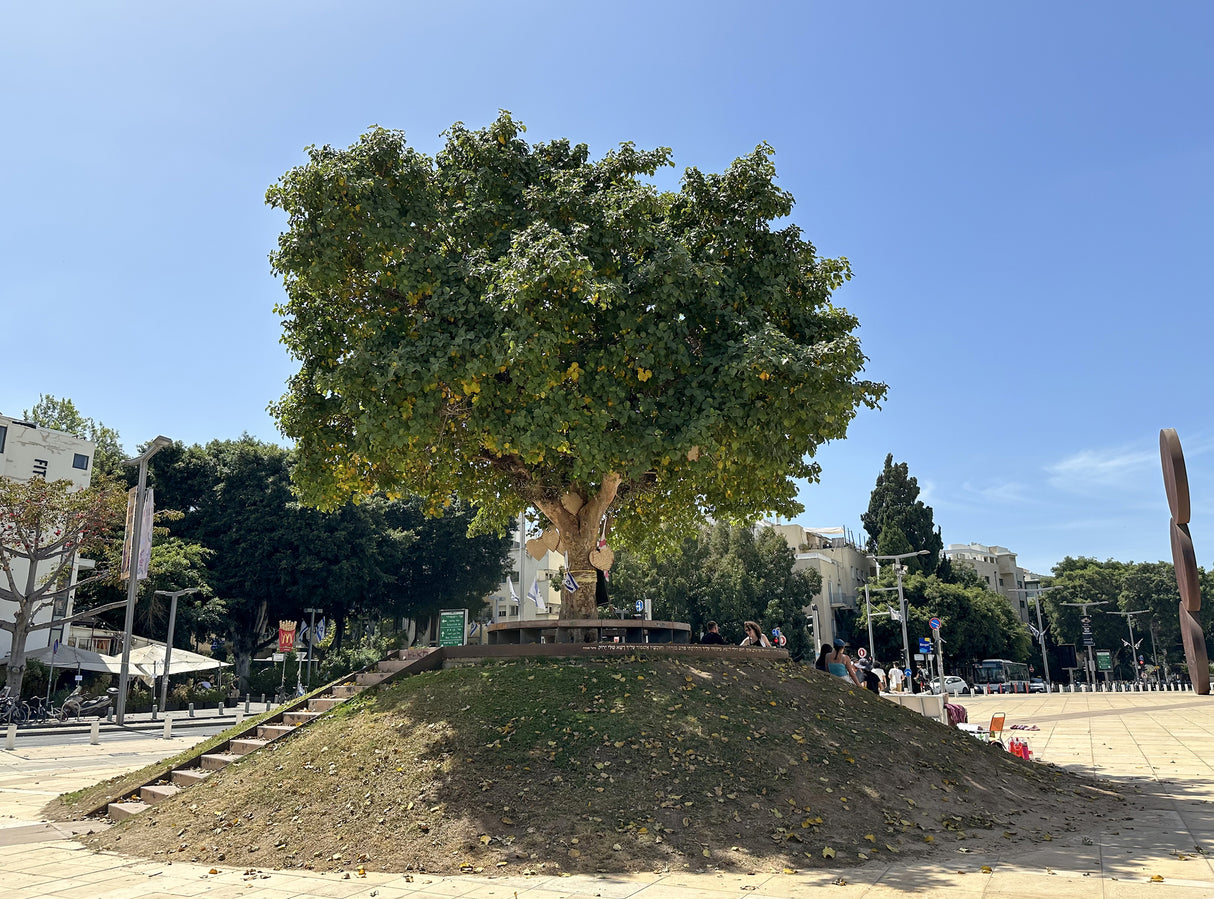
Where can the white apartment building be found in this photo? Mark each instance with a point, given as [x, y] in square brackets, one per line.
[27, 452]
[996, 565]
[843, 565]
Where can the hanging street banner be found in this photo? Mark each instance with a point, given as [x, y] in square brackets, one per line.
[286, 636]
[452, 625]
[145, 533]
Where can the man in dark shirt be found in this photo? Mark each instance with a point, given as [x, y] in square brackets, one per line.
[712, 635]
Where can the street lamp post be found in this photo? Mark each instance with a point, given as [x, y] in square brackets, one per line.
[868, 614]
[1129, 619]
[168, 643]
[1084, 606]
[901, 599]
[312, 641]
[1035, 595]
[132, 585]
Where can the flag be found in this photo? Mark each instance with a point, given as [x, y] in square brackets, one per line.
[286, 636]
[1036, 633]
[513, 595]
[534, 595]
[570, 583]
[894, 615]
[321, 630]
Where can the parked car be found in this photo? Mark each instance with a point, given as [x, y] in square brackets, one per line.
[1037, 685]
[953, 685]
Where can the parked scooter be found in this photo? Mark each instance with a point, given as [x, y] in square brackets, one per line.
[80, 704]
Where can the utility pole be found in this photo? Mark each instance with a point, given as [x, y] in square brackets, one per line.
[906, 665]
[1035, 595]
[1086, 621]
[1129, 618]
[312, 641]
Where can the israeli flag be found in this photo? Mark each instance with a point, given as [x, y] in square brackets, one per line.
[534, 595]
[1036, 633]
[321, 630]
[570, 583]
[894, 615]
[513, 595]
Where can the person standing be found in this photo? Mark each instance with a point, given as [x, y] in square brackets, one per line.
[712, 635]
[880, 672]
[895, 679]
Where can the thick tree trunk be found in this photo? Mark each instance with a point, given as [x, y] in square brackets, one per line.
[16, 658]
[579, 532]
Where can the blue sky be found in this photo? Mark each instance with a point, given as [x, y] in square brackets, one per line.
[1024, 192]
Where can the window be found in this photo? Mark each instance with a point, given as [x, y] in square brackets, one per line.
[81, 461]
[3, 435]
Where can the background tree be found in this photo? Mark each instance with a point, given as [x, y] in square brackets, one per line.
[43, 526]
[62, 415]
[522, 326]
[978, 623]
[896, 517]
[727, 574]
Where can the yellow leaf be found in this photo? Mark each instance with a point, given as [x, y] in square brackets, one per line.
[485, 838]
[827, 852]
[986, 869]
[870, 838]
[1156, 879]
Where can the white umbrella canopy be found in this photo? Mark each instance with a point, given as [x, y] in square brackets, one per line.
[150, 659]
[75, 657]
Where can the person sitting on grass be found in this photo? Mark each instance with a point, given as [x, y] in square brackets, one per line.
[712, 635]
[839, 663]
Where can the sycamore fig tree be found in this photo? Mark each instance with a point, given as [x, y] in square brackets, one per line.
[521, 325]
[44, 526]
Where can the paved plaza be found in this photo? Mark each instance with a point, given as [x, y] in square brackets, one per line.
[1159, 745]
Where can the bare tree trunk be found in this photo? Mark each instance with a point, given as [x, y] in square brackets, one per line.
[16, 658]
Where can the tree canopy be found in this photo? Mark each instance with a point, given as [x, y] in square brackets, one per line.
[62, 415]
[897, 521]
[521, 325]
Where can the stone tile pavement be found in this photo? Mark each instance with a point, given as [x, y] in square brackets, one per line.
[1160, 743]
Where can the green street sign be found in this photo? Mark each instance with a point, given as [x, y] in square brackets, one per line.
[452, 626]
[1104, 660]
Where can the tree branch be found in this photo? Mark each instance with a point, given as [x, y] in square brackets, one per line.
[70, 618]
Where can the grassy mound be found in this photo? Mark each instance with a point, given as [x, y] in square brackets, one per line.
[644, 764]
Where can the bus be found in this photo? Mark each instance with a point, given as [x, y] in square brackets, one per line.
[1001, 676]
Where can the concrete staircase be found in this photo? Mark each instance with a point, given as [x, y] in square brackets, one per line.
[289, 721]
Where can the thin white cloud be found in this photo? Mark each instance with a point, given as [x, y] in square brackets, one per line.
[999, 492]
[1103, 469]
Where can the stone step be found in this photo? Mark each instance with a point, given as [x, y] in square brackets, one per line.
[117, 811]
[187, 776]
[371, 678]
[245, 746]
[158, 793]
[345, 691]
[295, 719]
[322, 704]
[393, 665]
[217, 760]
[273, 731]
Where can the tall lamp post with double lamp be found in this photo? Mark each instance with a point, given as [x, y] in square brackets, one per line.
[868, 614]
[897, 560]
[1035, 596]
[168, 643]
[132, 584]
[1129, 619]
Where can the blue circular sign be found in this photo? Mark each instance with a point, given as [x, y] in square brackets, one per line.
[640, 606]
[935, 624]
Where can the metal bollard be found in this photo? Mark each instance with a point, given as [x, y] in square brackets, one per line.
[168, 728]
[155, 715]
[109, 716]
[239, 717]
[10, 737]
[95, 732]
[246, 703]
[191, 707]
[221, 707]
[263, 698]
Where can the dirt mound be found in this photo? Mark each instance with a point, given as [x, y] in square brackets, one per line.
[587, 766]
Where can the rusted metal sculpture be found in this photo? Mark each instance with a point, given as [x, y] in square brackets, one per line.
[1176, 483]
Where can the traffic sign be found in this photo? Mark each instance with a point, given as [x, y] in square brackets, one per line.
[925, 644]
[640, 605]
[862, 652]
[1085, 620]
[934, 624]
